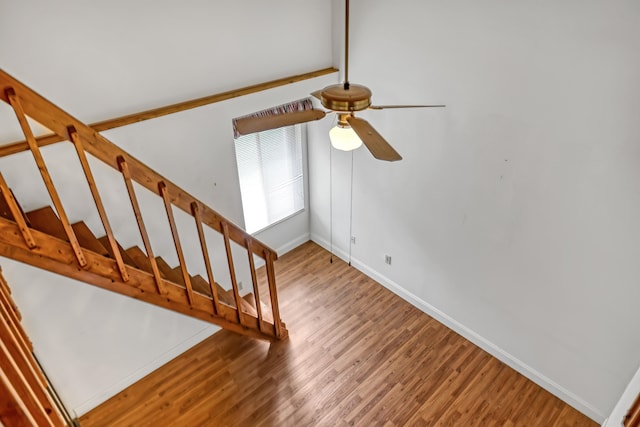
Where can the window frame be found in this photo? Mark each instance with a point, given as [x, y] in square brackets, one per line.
[302, 131]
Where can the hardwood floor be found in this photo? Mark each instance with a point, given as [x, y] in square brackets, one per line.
[357, 355]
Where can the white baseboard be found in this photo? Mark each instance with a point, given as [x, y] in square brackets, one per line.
[344, 255]
[292, 244]
[140, 373]
[468, 333]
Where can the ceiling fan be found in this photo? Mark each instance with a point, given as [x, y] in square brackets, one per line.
[344, 99]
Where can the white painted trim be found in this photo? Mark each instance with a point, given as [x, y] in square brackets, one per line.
[468, 333]
[292, 244]
[344, 255]
[278, 222]
[140, 373]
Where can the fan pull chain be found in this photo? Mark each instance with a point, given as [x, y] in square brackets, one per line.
[351, 211]
[331, 201]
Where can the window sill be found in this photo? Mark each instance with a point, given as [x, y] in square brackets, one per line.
[280, 221]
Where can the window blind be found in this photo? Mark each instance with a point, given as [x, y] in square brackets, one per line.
[271, 175]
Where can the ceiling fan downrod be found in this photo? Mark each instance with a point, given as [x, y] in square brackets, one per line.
[344, 99]
[346, 46]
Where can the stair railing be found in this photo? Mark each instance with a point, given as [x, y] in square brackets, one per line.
[26, 393]
[25, 103]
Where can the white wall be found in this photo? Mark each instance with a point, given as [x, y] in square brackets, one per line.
[517, 225]
[514, 215]
[102, 59]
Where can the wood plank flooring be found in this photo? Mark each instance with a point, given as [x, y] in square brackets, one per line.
[357, 355]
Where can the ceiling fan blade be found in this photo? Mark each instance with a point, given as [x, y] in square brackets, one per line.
[378, 146]
[387, 107]
[317, 94]
[258, 124]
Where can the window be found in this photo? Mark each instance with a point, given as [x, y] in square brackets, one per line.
[271, 176]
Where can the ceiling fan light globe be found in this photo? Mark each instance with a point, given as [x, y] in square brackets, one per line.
[344, 138]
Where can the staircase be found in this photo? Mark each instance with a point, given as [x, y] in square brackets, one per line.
[46, 239]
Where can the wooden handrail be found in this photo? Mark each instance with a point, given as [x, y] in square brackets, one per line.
[19, 146]
[47, 114]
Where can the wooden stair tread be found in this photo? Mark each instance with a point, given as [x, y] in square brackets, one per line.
[248, 303]
[87, 239]
[100, 272]
[250, 299]
[104, 240]
[46, 220]
[225, 296]
[200, 285]
[247, 307]
[168, 272]
[266, 310]
[140, 259]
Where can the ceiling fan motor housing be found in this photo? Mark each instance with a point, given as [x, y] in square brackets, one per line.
[346, 97]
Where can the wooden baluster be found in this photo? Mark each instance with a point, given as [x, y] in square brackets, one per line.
[23, 346]
[254, 279]
[17, 214]
[205, 254]
[19, 336]
[14, 317]
[273, 293]
[633, 416]
[12, 309]
[6, 291]
[21, 406]
[77, 142]
[232, 271]
[19, 350]
[126, 174]
[162, 187]
[14, 408]
[14, 363]
[46, 177]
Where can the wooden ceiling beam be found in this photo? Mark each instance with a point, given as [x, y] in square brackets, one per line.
[19, 146]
